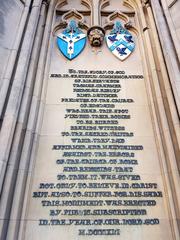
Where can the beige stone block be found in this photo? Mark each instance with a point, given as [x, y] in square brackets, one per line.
[174, 12]
[58, 89]
[178, 32]
[54, 121]
[136, 90]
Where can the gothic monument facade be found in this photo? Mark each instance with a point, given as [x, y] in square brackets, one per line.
[89, 119]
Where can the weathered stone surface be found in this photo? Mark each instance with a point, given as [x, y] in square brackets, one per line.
[39, 135]
[10, 15]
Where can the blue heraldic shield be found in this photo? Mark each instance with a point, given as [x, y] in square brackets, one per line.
[71, 41]
[120, 41]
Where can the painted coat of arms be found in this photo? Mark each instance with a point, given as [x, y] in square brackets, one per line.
[71, 41]
[120, 41]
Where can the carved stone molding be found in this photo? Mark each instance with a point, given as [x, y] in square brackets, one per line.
[64, 21]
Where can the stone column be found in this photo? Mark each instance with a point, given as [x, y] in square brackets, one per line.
[13, 57]
[14, 102]
[168, 50]
[25, 166]
[167, 154]
[13, 163]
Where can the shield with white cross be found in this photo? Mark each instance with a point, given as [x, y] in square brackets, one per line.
[120, 41]
[71, 41]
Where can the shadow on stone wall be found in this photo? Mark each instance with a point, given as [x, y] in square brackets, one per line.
[5, 7]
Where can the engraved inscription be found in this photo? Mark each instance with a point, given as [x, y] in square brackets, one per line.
[98, 187]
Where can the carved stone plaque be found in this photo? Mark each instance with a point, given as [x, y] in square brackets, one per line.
[98, 168]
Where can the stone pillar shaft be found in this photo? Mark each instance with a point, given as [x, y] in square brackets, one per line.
[13, 57]
[13, 163]
[14, 102]
[25, 160]
[168, 50]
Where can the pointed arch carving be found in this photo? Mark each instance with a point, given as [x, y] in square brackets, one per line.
[64, 22]
[103, 4]
[63, 12]
[86, 3]
[121, 16]
[60, 4]
[132, 4]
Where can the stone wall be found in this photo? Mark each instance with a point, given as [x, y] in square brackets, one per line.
[25, 33]
[167, 17]
[10, 17]
[173, 8]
